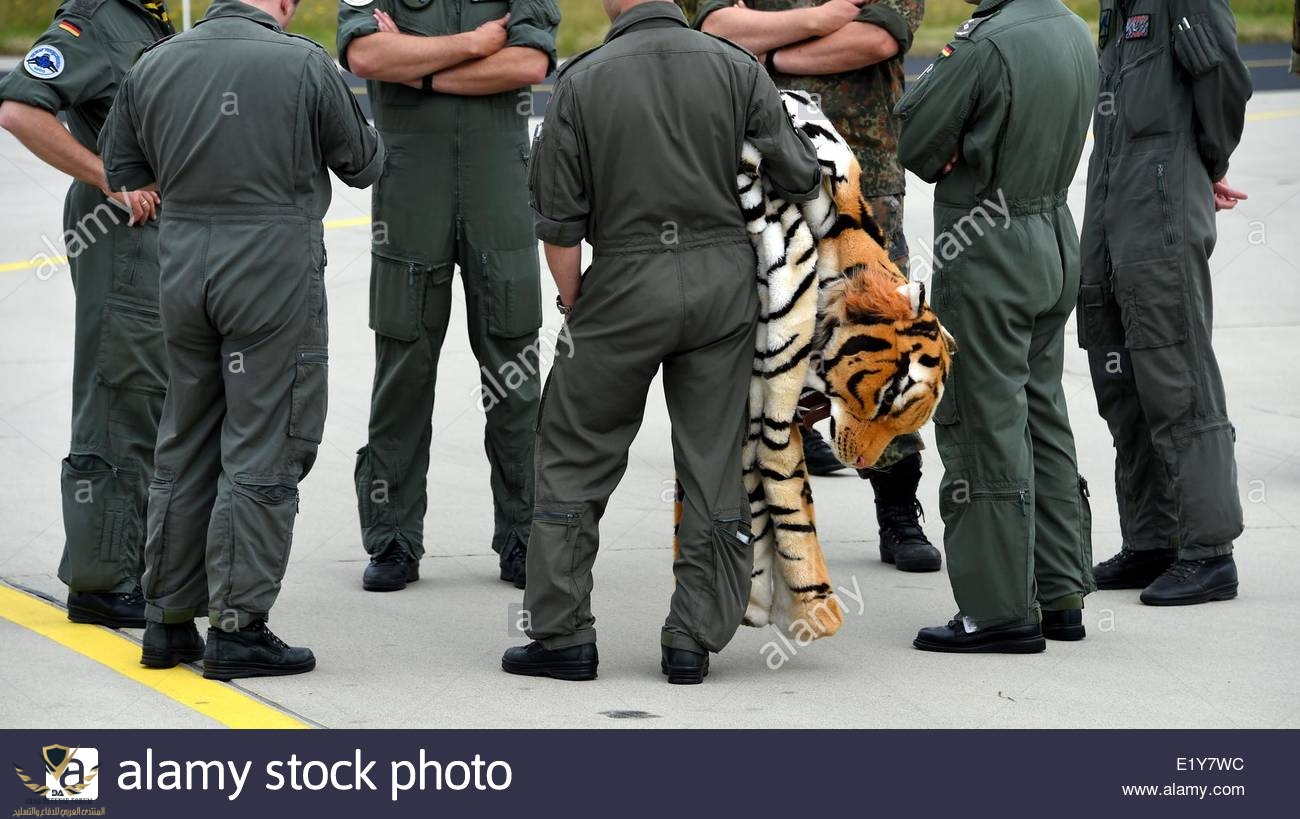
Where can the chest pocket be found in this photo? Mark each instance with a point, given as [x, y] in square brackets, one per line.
[479, 12]
[428, 17]
[1150, 94]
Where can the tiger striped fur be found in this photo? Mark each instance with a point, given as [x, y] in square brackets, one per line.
[823, 280]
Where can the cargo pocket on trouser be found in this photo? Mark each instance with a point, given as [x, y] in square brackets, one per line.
[396, 296]
[310, 399]
[262, 512]
[101, 520]
[719, 609]
[132, 355]
[1209, 502]
[987, 538]
[1091, 316]
[514, 291]
[558, 595]
[1152, 298]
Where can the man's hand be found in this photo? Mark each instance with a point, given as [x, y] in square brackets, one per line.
[491, 36]
[1226, 198]
[834, 15]
[142, 205]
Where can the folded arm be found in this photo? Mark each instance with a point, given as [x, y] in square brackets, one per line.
[509, 69]
[855, 46]
[762, 31]
[390, 55]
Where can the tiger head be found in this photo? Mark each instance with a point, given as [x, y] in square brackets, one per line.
[884, 356]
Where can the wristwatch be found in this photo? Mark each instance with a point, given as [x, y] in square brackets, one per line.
[426, 87]
[769, 61]
[562, 307]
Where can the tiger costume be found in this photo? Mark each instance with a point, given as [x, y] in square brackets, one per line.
[838, 316]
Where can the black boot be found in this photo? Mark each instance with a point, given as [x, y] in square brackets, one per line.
[1189, 582]
[1132, 568]
[112, 609]
[167, 645]
[253, 651]
[514, 566]
[902, 540]
[1065, 624]
[576, 663]
[818, 455]
[953, 638]
[391, 570]
[684, 667]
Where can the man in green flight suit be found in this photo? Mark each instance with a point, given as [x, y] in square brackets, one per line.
[244, 313]
[999, 122]
[119, 368]
[639, 156]
[450, 81]
[1171, 112]
[849, 55]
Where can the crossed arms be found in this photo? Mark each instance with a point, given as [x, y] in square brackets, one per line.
[472, 63]
[824, 39]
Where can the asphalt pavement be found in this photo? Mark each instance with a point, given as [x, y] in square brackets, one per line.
[428, 656]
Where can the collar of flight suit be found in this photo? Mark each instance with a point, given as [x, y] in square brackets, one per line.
[237, 8]
[643, 12]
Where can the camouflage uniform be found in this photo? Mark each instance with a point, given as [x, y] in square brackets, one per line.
[860, 104]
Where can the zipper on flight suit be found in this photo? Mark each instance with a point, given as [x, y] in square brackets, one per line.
[557, 516]
[1164, 203]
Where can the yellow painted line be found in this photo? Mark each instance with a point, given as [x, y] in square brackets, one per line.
[1284, 62]
[13, 267]
[1267, 115]
[223, 703]
[42, 260]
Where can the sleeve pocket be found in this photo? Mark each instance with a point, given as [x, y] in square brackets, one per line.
[1196, 47]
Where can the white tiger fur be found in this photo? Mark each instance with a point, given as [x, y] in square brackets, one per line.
[791, 285]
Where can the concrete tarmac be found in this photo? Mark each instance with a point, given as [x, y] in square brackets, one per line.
[429, 656]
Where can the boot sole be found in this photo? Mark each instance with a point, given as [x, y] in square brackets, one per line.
[387, 587]
[1227, 592]
[224, 672]
[90, 618]
[683, 676]
[169, 659]
[572, 671]
[1024, 645]
[1122, 585]
[1065, 634]
[911, 565]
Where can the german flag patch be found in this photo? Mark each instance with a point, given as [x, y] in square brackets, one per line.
[947, 51]
[71, 28]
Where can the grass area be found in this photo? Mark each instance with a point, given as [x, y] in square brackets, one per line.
[585, 23]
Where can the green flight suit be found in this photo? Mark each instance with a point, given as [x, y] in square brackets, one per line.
[239, 124]
[454, 194]
[119, 365]
[1011, 97]
[1171, 111]
[639, 155]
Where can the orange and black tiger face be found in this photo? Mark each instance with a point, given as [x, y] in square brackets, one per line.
[884, 355]
[884, 366]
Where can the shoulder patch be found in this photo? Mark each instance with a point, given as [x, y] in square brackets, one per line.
[1137, 27]
[964, 30]
[45, 62]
